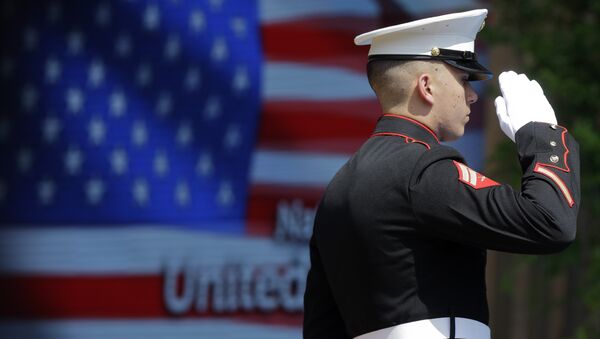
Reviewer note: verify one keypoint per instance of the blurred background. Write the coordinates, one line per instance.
(161, 160)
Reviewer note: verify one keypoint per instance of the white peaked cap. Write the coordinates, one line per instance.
(450, 38)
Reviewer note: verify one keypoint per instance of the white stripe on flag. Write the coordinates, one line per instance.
(147, 329)
(133, 250)
(295, 168)
(286, 10)
(283, 81)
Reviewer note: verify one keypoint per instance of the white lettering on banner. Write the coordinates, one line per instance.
(294, 221)
(291, 288)
(178, 303)
(266, 300)
(233, 288)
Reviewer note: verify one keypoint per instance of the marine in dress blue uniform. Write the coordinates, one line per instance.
(400, 236)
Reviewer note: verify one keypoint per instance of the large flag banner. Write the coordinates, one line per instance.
(161, 160)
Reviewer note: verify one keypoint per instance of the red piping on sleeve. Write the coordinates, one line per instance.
(566, 167)
(540, 168)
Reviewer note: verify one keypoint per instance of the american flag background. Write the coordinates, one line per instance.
(161, 160)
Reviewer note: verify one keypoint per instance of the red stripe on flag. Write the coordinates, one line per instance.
(81, 297)
(325, 41)
(263, 201)
(105, 297)
(330, 126)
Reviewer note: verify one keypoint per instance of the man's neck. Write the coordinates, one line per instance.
(423, 118)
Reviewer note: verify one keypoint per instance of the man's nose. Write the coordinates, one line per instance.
(471, 95)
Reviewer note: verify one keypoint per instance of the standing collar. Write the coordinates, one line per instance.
(408, 128)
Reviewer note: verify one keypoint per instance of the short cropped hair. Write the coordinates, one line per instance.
(391, 80)
(377, 70)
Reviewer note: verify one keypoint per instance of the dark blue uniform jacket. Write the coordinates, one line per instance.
(402, 230)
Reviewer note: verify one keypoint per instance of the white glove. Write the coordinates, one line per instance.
(522, 101)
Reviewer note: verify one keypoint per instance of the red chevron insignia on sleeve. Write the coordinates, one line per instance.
(472, 178)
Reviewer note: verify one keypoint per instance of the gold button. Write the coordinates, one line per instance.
(554, 159)
(553, 143)
(435, 51)
(553, 126)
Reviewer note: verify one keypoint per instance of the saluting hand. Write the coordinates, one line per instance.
(522, 101)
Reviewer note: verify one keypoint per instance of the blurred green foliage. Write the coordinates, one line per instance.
(558, 44)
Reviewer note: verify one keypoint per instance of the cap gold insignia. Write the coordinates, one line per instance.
(435, 51)
(482, 25)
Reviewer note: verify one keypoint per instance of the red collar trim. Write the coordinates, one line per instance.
(407, 139)
(414, 122)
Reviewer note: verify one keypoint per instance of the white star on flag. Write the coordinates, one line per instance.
(75, 41)
(24, 160)
(103, 14)
(164, 104)
(30, 39)
(182, 194)
(144, 75)
(225, 195)
(172, 47)
(141, 192)
(212, 110)
(118, 161)
(75, 99)
(185, 135)
(46, 191)
(151, 17)
(29, 98)
(123, 45)
(53, 70)
(204, 165)
(216, 4)
(233, 137)
(94, 191)
(118, 103)
(239, 26)
(54, 12)
(160, 164)
(96, 131)
(51, 128)
(240, 79)
(73, 160)
(139, 133)
(219, 50)
(192, 79)
(197, 21)
(96, 73)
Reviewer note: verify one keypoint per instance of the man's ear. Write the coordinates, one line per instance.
(424, 87)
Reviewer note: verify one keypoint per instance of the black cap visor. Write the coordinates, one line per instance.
(475, 70)
(463, 60)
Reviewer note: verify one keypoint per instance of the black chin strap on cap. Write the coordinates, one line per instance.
(463, 60)
(436, 54)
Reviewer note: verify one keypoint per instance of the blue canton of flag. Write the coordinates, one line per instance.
(128, 111)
